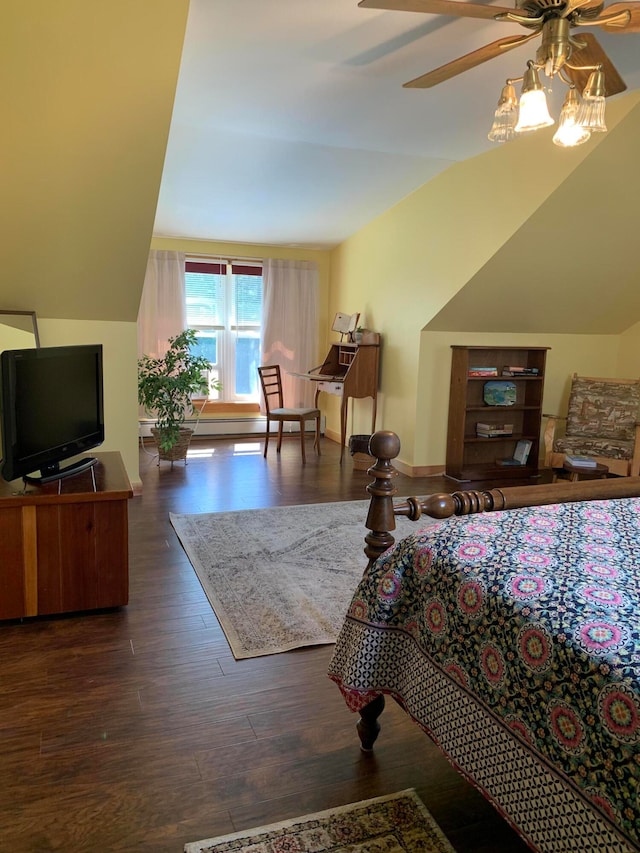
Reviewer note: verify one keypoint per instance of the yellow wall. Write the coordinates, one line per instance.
(88, 93)
(629, 356)
(11, 338)
(403, 268)
(119, 342)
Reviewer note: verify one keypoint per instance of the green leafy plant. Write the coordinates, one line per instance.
(166, 386)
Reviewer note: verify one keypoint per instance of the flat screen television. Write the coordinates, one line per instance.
(51, 410)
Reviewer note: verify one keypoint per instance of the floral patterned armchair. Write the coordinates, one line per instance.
(602, 422)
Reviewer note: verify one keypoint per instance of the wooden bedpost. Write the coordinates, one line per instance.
(384, 446)
(368, 727)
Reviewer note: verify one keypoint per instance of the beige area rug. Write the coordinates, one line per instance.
(393, 824)
(280, 578)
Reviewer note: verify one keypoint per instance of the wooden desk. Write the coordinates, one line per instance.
(64, 545)
(349, 370)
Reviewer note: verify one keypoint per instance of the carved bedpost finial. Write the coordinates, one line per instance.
(384, 446)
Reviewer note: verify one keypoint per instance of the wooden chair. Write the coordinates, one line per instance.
(271, 381)
(601, 422)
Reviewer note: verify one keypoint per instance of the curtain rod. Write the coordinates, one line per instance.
(221, 258)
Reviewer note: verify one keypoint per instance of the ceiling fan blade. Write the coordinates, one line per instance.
(593, 54)
(588, 7)
(634, 20)
(468, 61)
(440, 7)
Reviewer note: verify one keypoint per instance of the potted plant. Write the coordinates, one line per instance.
(165, 388)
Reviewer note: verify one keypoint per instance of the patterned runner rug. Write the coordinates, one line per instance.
(393, 824)
(280, 578)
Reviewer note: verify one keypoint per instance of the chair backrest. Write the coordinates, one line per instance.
(603, 408)
(271, 381)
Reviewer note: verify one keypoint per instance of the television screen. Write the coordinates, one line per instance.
(52, 409)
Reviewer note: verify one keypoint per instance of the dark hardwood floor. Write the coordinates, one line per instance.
(136, 730)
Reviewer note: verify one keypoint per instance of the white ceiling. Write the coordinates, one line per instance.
(291, 126)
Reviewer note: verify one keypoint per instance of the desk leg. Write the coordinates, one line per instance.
(343, 425)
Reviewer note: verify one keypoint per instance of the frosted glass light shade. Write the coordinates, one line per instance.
(591, 115)
(570, 132)
(506, 116)
(591, 112)
(534, 112)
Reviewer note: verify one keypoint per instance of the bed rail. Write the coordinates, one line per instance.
(384, 446)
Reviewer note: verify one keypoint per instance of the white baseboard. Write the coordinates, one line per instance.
(205, 427)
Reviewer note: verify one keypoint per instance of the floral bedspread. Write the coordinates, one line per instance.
(536, 614)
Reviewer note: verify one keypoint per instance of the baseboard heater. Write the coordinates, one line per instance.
(211, 427)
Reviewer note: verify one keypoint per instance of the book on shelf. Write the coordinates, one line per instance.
(520, 454)
(520, 371)
(482, 371)
(488, 427)
(580, 461)
(522, 451)
(493, 430)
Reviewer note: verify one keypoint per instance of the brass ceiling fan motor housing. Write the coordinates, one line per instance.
(555, 48)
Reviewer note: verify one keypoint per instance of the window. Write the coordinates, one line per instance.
(224, 306)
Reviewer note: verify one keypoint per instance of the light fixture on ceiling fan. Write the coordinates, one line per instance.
(580, 62)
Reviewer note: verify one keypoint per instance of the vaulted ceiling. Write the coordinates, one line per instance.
(290, 126)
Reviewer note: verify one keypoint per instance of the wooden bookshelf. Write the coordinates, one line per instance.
(470, 457)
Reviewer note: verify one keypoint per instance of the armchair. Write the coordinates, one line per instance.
(601, 422)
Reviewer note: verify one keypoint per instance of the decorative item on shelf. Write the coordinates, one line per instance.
(166, 387)
(499, 393)
(357, 335)
(345, 324)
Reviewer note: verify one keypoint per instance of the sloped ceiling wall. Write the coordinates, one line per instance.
(574, 265)
(87, 98)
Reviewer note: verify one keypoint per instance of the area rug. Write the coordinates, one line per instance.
(279, 578)
(393, 824)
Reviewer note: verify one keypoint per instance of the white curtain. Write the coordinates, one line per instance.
(290, 324)
(162, 311)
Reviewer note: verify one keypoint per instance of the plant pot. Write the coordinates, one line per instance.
(179, 449)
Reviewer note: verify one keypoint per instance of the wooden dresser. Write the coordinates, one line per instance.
(64, 545)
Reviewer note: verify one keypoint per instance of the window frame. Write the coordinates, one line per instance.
(227, 332)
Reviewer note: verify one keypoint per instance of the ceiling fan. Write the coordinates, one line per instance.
(559, 52)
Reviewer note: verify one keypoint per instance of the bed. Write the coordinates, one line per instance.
(509, 630)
